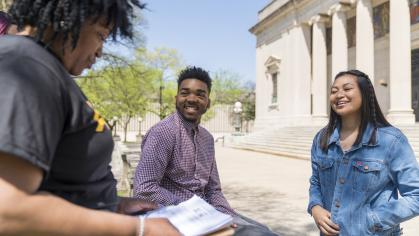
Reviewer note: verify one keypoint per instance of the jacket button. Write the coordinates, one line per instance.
(337, 204)
(366, 168)
(341, 180)
(345, 161)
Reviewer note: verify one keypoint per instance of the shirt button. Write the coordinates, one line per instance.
(341, 180)
(337, 204)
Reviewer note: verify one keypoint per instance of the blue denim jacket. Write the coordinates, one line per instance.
(360, 187)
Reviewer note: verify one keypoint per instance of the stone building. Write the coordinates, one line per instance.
(302, 44)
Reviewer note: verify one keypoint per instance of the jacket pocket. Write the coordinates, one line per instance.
(327, 173)
(365, 173)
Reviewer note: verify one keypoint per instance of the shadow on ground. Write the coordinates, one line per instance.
(271, 208)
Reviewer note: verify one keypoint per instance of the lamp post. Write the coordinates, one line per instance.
(237, 116)
(114, 123)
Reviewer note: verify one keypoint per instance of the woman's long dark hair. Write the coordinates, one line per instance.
(370, 111)
(65, 17)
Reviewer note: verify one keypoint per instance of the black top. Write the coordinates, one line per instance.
(46, 120)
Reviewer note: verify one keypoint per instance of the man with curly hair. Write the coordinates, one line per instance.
(55, 149)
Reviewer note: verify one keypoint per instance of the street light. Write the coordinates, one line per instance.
(237, 116)
(114, 122)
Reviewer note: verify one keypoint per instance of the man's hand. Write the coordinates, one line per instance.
(323, 222)
(133, 206)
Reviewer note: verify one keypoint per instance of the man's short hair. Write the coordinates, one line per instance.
(192, 72)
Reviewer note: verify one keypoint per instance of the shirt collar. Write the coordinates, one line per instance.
(189, 126)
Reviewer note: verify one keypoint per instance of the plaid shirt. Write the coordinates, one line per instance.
(177, 161)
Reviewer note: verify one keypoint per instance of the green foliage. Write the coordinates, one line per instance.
(227, 88)
(249, 107)
(169, 103)
(119, 90)
(167, 63)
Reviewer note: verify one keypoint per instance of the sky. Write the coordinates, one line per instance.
(213, 34)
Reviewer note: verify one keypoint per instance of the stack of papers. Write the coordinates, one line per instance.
(193, 217)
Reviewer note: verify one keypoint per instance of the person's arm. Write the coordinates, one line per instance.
(213, 192)
(156, 152)
(404, 171)
(315, 193)
(23, 211)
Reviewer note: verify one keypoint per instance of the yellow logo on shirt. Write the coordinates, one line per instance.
(100, 122)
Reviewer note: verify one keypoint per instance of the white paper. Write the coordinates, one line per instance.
(193, 217)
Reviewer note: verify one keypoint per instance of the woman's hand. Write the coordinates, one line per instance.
(323, 221)
(160, 226)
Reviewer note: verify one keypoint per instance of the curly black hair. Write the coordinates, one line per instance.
(198, 73)
(65, 17)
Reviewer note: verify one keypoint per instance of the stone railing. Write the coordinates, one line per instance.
(125, 159)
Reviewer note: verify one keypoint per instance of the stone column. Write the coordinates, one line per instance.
(400, 111)
(365, 38)
(339, 38)
(301, 69)
(319, 69)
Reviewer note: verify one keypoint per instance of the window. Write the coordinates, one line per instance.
(272, 76)
(274, 98)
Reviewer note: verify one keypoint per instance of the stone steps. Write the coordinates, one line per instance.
(296, 141)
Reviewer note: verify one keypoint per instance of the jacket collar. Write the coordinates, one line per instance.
(334, 138)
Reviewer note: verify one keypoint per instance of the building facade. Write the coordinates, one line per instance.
(302, 44)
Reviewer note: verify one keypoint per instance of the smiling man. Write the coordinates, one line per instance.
(177, 157)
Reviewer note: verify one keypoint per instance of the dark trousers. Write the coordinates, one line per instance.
(250, 227)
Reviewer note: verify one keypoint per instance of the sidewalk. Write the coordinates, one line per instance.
(273, 190)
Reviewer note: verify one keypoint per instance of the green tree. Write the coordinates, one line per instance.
(167, 62)
(229, 88)
(122, 90)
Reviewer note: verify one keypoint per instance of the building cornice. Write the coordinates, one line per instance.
(265, 22)
(292, 5)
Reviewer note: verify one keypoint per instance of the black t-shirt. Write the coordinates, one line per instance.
(45, 119)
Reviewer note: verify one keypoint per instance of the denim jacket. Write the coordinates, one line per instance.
(360, 187)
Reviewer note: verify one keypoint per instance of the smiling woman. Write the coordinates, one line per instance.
(50, 133)
(360, 163)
